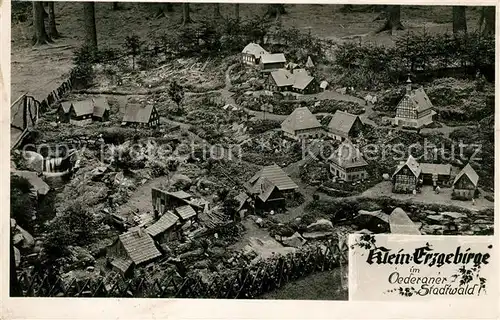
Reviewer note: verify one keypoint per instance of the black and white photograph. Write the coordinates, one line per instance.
(228, 150)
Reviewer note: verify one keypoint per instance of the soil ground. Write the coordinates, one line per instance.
(40, 70)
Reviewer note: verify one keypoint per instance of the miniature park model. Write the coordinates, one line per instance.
(200, 168)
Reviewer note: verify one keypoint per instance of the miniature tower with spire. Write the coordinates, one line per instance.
(408, 85)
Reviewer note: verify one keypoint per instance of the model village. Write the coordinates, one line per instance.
(269, 190)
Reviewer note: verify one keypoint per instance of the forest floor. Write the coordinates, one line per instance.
(40, 70)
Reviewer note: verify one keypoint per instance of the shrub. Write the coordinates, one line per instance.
(261, 126)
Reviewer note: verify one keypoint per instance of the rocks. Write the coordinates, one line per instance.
(192, 254)
(432, 229)
(317, 235)
(482, 221)
(202, 264)
(436, 218)
(80, 257)
(259, 222)
(320, 225)
(386, 177)
(23, 238)
(454, 215)
(296, 240)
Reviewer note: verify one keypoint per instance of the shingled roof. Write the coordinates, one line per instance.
(185, 212)
(139, 245)
(412, 164)
(66, 106)
(254, 49)
(302, 80)
(300, 119)
(283, 78)
(435, 168)
(342, 122)
(470, 173)
(400, 223)
(135, 112)
(268, 178)
(166, 221)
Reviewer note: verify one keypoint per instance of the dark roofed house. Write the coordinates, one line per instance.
(101, 109)
(135, 246)
(141, 115)
(344, 125)
(436, 173)
(272, 61)
(166, 228)
(303, 83)
(270, 185)
(407, 176)
(63, 111)
(280, 80)
(301, 124)
(465, 183)
(251, 54)
(80, 112)
(347, 163)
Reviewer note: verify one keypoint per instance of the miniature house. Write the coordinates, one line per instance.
(251, 54)
(302, 124)
(347, 163)
(465, 183)
(407, 176)
(283, 80)
(141, 115)
(415, 109)
(344, 125)
(272, 61)
(270, 186)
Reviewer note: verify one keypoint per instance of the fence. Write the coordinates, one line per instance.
(240, 283)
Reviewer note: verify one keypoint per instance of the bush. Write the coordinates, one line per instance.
(261, 126)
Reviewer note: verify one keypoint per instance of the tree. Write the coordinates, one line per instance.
(459, 19)
(116, 6)
(237, 12)
(217, 14)
(90, 27)
(186, 18)
(176, 93)
(163, 8)
(487, 20)
(230, 205)
(393, 19)
(22, 202)
(52, 22)
(40, 36)
(15, 290)
(133, 46)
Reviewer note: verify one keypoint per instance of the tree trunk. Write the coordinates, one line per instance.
(40, 36)
(488, 18)
(90, 28)
(52, 22)
(15, 290)
(186, 18)
(237, 12)
(217, 14)
(116, 6)
(393, 21)
(275, 9)
(459, 19)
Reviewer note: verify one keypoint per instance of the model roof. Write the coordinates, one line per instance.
(268, 178)
(254, 49)
(348, 156)
(185, 212)
(139, 245)
(470, 173)
(412, 164)
(342, 122)
(135, 112)
(100, 106)
(273, 58)
(300, 119)
(83, 107)
(166, 221)
(418, 99)
(434, 168)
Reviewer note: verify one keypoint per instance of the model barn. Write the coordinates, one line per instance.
(344, 125)
(415, 109)
(347, 163)
(302, 124)
(272, 61)
(407, 176)
(465, 184)
(166, 228)
(101, 109)
(251, 54)
(141, 115)
(270, 186)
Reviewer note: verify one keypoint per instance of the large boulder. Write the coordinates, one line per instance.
(455, 215)
(436, 218)
(296, 240)
(386, 177)
(317, 235)
(80, 257)
(320, 225)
